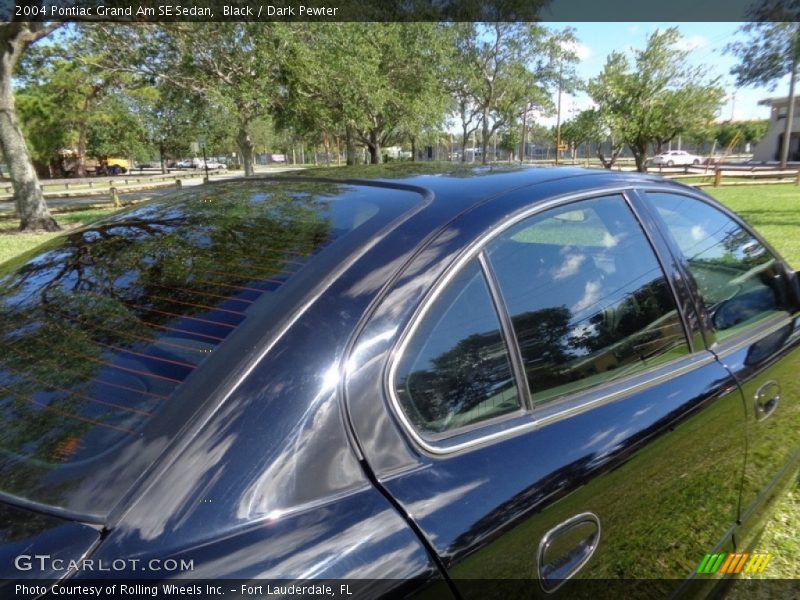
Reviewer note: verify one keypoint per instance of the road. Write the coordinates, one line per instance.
(58, 203)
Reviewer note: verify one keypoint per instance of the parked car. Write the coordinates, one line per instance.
(677, 158)
(189, 163)
(440, 384)
(212, 165)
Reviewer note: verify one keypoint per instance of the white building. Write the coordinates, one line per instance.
(769, 149)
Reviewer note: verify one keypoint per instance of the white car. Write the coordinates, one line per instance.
(189, 163)
(213, 165)
(677, 157)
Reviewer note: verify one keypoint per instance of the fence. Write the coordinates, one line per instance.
(70, 188)
(721, 176)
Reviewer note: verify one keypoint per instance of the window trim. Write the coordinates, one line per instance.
(527, 419)
(514, 351)
(637, 203)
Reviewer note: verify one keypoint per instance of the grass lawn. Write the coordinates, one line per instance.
(774, 210)
(12, 242)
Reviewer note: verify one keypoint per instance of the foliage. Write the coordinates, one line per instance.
(376, 83)
(595, 126)
(657, 98)
(771, 51)
(768, 53)
(504, 69)
(742, 132)
(69, 103)
(229, 68)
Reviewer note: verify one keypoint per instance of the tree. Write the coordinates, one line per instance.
(771, 52)
(461, 80)
(389, 89)
(510, 139)
(15, 38)
(94, 111)
(232, 66)
(590, 126)
(741, 132)
(657, 98)
(505, 66)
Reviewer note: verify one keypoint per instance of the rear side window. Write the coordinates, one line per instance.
(587, 297)
(100, 329)
(456, 370)
(739, 280)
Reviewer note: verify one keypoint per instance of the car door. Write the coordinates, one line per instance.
(751, 313)
(547, 413)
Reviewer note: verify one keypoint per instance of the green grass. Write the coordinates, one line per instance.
(774, 210)
(13, 243)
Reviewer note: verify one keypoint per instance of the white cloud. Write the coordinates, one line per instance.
(591, 294)
(570, 266)
(582, 51)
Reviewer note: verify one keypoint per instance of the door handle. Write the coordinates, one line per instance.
(766, 399)
(566, 548)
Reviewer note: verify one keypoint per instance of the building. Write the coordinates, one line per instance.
(769, 149)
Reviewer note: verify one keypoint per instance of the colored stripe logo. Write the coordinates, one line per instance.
(741, 562)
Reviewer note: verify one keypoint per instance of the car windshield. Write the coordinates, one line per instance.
(101, 328)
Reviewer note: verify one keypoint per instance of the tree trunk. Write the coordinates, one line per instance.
(350, 146)
(602, 157)
(640, 156)
(28, 197)
(484, 136)
(413, 148)
(608, 163)
(246, 147)
(374, 146)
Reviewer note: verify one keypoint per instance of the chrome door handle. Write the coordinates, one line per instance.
(566, 548)
(766, 399)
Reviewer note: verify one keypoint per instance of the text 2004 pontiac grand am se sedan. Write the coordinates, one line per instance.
(539, 375)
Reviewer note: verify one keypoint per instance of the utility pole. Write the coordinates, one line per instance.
(524, 132)
(787, 132)
(558, 112)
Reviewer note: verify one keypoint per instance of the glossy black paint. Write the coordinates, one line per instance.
(293, 463)
(25, 535)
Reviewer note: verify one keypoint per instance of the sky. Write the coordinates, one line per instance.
(706, 42)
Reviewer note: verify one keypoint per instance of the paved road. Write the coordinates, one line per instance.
(8, 207)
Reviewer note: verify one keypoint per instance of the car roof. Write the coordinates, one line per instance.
(462, 186)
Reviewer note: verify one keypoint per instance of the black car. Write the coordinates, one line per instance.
(426, 383)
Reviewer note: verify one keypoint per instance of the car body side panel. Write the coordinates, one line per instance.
(767, 364)
(661, 471)
(357, 536)
(661, 468)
